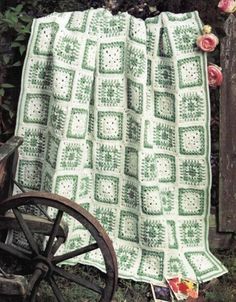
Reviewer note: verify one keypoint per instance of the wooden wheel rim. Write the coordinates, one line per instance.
(86, 219)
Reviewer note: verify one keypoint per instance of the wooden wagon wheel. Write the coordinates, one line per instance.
(45, 264)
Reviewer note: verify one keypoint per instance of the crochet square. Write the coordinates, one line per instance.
(34, 142)
(135, 96)
(149, 72)
(152, 233)
(133, 131)
(40, 75)
(91, 122)
(84, 186)
(71, 155)
(148, 134)
(30, 174)
(107, 218)
(179, 17)
(152, 264)
(78, 123)
(36, 108)
(131, 162)
(111, 57)
(192, 172)
(166, 168)
(106, 189)
(88, 160)
(192, 107)
(47, 182)
(192, 140)
(126, 257)
(136, 62)
(89, 55)
(201, 263)
(150, 200)
(137, 30)
(45, 38)
(110, 125)
(77, 21)
(66, 185)
(128, 228)
(57, 118)
(185, 38)
(164, 105)
(130, 194)
(108, 157)
(62, 83)
(150, 42)
(113, 27)
(176, 267)
(171, 233)
(164, 136)
(191, 233)
(167, 198)
(111, 92)
(190, 72)
(164, 75)
(84, 89)
(52, 150)
(149, 169)
(191, 202)
(164, 48)
(68, 49)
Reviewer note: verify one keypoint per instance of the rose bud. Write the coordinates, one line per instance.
(207, 42)
(206, 29)
(215, 76)
(227, 6)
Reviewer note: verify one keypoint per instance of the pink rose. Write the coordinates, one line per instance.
(227, 6)
(207, 42)
(215, 76)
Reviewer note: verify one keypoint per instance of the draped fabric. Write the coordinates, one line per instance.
(114, 112)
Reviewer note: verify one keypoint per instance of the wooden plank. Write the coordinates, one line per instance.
(36, 224)
(13, 286)
(8, 157)
(227, 185)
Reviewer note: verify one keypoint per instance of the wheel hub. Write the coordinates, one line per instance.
(44, 265)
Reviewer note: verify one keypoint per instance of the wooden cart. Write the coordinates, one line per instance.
(40, 260)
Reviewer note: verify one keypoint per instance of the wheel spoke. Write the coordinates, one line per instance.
(54, 233)
(79, 280)
(75, 253)
(56, 290)
(34, 282)
(26, 231)
(13, 251)
(57, 244)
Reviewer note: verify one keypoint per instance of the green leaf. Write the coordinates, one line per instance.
(6, 85)
(16, 64)
(27, 29)
(13, 18)
(26, 18)
(20, 38)
(6, 59)
(16, 44)
(2, 92)
(18, 8)
(5, 107)
(22, 49)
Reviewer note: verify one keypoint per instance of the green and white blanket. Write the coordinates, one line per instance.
(115, 114)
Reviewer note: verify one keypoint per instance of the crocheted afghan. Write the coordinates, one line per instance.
(115, 114)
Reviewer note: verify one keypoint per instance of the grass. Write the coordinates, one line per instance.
(129, 291)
